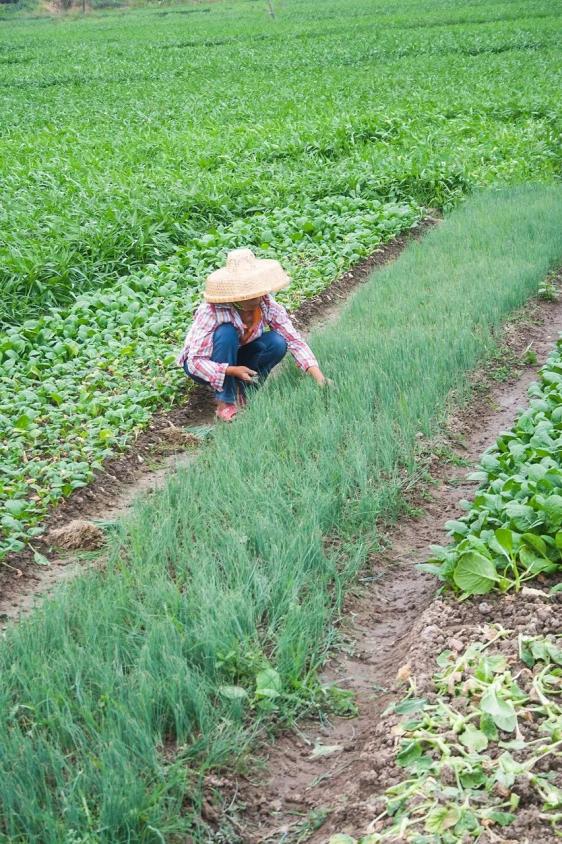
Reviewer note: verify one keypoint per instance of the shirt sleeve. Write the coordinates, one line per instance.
(207, 369)
(278, 320)
(199, 348)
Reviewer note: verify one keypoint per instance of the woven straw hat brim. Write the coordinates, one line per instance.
(262, 277)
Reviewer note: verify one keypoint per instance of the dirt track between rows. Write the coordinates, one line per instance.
(390, 613)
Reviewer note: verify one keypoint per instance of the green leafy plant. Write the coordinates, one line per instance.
(470, 757)
(512, 532)
(215, 609)
(548, 289)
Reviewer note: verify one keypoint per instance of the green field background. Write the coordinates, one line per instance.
(217, 603)
(137, 147)
(126, 137)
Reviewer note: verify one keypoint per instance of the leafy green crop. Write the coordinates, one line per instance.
(133, 155)
(125, 138)
(217, 602)
(470, 757)
(75, 383)
(513, 530)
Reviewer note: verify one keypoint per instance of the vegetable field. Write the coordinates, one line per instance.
(138, 146)
(513, 530)
(216, 606)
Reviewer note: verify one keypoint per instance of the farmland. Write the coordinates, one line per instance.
(202, 628)
(137, 147)
(478, 734)
(126, 144)
(134, 155)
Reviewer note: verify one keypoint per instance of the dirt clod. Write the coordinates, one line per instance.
(77, 535)
(178, 437)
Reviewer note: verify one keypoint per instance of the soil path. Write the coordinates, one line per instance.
(173, 439)
(311, 777)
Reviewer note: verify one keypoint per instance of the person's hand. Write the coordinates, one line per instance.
(243, 373)
(316, 373)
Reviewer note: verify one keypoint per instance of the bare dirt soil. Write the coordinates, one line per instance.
(170, 441)
(448, 624)
(324, 777)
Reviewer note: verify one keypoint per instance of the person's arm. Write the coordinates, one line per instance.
(278, 319)
(199, 348)
(207, 369)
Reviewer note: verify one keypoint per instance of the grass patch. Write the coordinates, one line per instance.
(218, 602)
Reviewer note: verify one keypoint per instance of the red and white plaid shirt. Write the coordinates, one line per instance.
(198, 346)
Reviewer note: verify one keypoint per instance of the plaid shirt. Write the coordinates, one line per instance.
(198, 346)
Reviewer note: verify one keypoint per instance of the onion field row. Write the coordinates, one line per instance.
(217, 603)
(136, 149)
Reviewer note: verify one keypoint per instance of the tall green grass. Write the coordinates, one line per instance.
(124, 688)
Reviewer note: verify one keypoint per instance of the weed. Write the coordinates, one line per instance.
(446, 454)
(548, 288)
(529, 357)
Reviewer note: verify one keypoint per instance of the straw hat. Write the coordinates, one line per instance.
(244, 277)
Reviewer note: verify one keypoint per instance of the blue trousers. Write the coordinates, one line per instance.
(261, 354)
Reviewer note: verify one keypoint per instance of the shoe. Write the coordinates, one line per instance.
(227, 413)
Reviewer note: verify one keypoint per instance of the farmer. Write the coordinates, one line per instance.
(227, 347)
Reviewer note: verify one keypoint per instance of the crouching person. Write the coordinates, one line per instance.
(227, 346)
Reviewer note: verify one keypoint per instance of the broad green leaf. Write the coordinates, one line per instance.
(534, 564)
(504, 538)
(473, 778)
(409, 706)
(552, 507)
(552, 794)
(268, 683)
(489, 665)
(23, 422)
(535, 542)
(508, 769)
(233, 692)
(442, 818)
(554, 653)
(455, 526)
(501, 711)
(473, 739)
(522, 516)
(475, 574)
(488, 727)
(16, 506)
(501, 818)
(409, 751)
